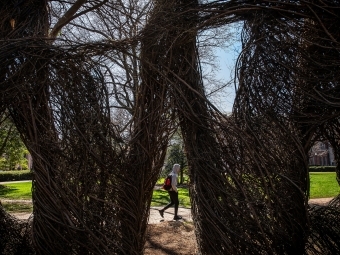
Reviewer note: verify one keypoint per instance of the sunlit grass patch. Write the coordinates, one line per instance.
(323, 184)
(161, 197)
(17, 190)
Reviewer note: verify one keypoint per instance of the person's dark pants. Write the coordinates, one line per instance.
(173, 201)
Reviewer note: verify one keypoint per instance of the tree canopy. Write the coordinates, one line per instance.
(13, 152)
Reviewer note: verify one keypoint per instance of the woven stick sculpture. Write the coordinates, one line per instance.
(97, 102)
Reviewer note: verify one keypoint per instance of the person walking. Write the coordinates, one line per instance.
(173, 193)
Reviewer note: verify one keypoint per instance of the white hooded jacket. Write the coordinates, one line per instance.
(174, 177)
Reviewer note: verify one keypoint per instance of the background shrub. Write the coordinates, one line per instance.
(6, 176)
(322, 169)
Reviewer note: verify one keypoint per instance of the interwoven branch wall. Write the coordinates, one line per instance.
(97, 105)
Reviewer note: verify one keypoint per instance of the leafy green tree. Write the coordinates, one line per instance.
(176, 155)
(12, 150)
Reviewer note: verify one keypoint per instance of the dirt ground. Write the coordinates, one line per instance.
(178, 238)
(174, 237)
(170, 238)
(163, 238)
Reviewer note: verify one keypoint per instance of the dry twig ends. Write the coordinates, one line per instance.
(325, 230)
(15, 238)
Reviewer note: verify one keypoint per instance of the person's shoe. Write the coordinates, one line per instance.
(177, 217)
(161, 212)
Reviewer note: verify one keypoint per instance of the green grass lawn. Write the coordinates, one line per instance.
(160, 197)
(16, 190)
(322, 185)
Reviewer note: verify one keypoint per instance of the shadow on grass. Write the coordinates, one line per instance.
(5, 191)
(160, 198)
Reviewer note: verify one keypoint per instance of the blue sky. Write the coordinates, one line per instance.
(227, 60)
